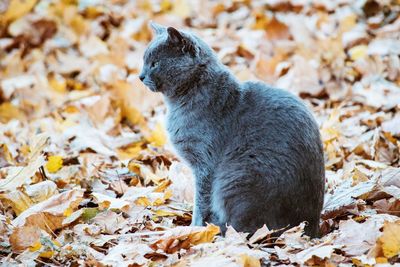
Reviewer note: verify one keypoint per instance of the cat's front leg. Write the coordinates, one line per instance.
(201, 207)
(197, 218)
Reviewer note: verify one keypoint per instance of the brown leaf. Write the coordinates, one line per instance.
(185, 237)
(275, 29)
(49, 214)
(24, 237)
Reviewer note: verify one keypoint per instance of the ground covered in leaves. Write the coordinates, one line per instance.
(88, 177)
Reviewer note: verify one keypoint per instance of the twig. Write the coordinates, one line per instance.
(43, 173)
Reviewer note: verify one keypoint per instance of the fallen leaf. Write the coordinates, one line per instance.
(185, 237)
(16, 9)
(275, 29)
(249, 261)
(107, 202)
(389, 242)
(8, 112)
(358, 238)
(24, 237)
(158, 136)
(322, 251)
(49, 214)
(18, 176)
(54, 163)
(358, 52)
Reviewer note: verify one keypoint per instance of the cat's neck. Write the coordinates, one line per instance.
(215, 87)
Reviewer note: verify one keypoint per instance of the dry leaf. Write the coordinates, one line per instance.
(49, 214)
(16, 9)
(54, 163)
(18, 176)
(24, 237)
(107, 202)
(389, 242)
(185, 237)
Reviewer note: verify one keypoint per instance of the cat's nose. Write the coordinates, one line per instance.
(141, 77)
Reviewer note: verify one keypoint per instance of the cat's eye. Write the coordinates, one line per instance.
(154, 64)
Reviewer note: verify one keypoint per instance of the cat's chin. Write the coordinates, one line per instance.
(153, 89)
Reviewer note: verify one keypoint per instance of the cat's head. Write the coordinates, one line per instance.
(173, 60)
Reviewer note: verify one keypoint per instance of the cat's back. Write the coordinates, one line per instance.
(272, 122)
(266, 97)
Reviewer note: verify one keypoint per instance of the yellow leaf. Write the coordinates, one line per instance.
(131, 113)
(261, 21)
(143, 201)
(160, 201)
(58, 84)
(8, 112)
(38, 246)
(167, 194)
(68, 211)
(47, 254)
(205, 236)
(359, 176)
(185, 237)
(134, 167)
(249, 261)
(381, 260)
(16, 9)
(158, 136)
(390, 239)
(54, 164)
(130, 152)
(6, 154)
(164, 213)
(93, 12)
(104, 205)
(218, 8)
(142, 35)
(78, 24)
(35, 246)
(165, 5)
(19, 201)
(357, 52)
(75, 85)
(162, 186)
(71, 109)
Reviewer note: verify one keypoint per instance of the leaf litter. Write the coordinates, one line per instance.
(88, 177)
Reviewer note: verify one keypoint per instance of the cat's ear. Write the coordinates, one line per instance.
(175, 36)
(178, 39)
(157, 28)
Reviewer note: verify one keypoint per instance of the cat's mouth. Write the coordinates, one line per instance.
(151, 85)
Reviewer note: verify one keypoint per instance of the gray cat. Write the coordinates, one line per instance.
(255, 151)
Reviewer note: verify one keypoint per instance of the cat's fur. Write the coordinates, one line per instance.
(255, 151)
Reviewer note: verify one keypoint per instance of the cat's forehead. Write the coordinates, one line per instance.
(155, 47)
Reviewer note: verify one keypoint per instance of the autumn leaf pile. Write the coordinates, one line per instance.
(87, 176)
